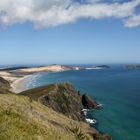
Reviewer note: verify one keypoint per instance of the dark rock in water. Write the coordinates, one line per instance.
(88, 102)
(132, 66)
(4, 86)
(102, 137)
(64, 98)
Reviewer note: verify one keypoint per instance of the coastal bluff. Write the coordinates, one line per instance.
(43, 113)
(63, 98)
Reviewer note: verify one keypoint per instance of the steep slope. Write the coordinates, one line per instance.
(63, 98)
(4, 86)
(21, 118)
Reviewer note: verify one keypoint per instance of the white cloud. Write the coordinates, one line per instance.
(46, 13)
(133, 21)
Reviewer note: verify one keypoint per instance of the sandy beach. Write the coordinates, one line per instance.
(18, 77)
(16, 81)
(19, 84)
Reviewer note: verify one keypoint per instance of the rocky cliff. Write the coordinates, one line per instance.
(60, 119)
(24, 119)
(63, 98)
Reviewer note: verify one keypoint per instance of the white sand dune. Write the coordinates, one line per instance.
(17, 81)
(8, 76)
(52, 68)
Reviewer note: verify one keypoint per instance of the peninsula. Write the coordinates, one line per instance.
(15, 75)
(48, 112)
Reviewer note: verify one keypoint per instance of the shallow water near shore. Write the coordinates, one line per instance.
(117, 89)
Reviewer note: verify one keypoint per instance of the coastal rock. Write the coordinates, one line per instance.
(88, 102)
(63, 98)
(22, 118)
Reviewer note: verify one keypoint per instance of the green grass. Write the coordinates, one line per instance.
(24, 119)
(16, 127)
(78, 133)
(39, 91)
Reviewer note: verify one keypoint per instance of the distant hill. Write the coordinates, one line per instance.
(12, 68)
(132, 66)
(102, 66)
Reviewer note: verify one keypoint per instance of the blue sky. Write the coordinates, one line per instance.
(103, 40)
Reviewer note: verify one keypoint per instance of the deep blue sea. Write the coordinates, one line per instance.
(118, 89)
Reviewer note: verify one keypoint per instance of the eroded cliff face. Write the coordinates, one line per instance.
(89, 103)
(22, 112)
(63, 98)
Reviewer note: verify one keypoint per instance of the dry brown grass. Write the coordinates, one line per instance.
(21, 118)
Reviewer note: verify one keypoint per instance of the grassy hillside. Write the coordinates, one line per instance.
(4, 86)
(62, 97)
(24, 119)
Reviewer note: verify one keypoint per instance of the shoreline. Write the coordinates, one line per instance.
(17, 76)
(18, 85)
(17, 81)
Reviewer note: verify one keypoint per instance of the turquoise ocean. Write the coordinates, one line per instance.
(117, 88)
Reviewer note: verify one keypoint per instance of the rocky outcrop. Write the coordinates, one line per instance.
(132, 66)
(63, 98)
(89, 103)
(24, 119)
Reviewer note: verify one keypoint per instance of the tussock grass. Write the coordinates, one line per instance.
(24, 119)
